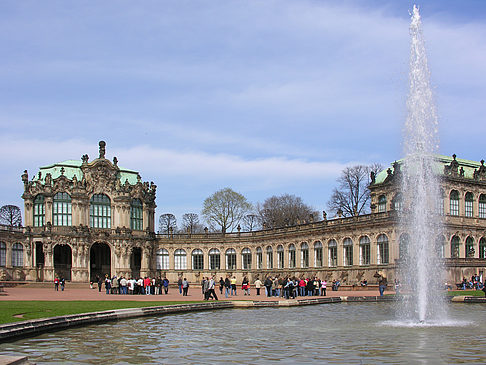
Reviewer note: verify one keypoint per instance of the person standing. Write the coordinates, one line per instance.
(233, 285)
(323, 287)
(165, 284)
(382, 284)
(107, 284)
(62, 282)
(56, 283)
(99, 282)
(258, 285)
(221, 285)
(179, 284)
(268, 286)
(185, 287)
(227, 287)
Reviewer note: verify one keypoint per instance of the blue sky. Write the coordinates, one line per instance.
(265, 97)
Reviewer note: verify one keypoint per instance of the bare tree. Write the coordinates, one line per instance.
(10, 215)
(284, 210)
(352, 197)
(251, 222)
(166, 222)
(225, 209)
(191, 224)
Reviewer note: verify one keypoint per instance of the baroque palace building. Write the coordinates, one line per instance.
(85, 219)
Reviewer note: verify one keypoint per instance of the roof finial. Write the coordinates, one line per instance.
(102, 149)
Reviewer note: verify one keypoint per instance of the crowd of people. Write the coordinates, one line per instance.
(473, 283)
(131, 286)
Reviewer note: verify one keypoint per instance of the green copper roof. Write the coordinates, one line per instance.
(440, 161)
(73, 168)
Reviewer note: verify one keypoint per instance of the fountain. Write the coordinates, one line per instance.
(421, 270)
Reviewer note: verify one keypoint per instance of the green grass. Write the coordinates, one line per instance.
(467, 293)
(44, 309)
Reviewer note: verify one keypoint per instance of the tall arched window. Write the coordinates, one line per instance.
(348, 251)
(403, 246)
(292, 256)
(39, 211)
(3, 254)
(214, 259)
(100, 211)
(259, 258)
(280, 257)
(304, 255)
(397, 202)
(364, 250)
(440, 246)
(17, 255)
(61, 210)
(230, 259)
(136, 215)
(482, 248)
(482, 206)
(318, 254)
(269, 257)
(454, 202)
(382, 241)
(246, 259)
(440, 203)
(468, 204)
(470, 247)
(455, 245)
(162, 259)
(180, 259)
(381, 204)
(197, 259)
(332, 245)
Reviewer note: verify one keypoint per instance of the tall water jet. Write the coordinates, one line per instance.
(421, 270)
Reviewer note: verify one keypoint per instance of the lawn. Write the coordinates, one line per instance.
(467, 293)
(12, 311)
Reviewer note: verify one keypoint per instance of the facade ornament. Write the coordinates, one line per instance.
(62, 170)
(25, 179)
(102, 145)
(324, 215)
(48, 179)
(85, 159)
(115, 161)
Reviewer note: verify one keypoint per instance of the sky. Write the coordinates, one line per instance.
(265, 97)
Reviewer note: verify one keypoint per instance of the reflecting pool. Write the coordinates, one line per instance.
(347, 333)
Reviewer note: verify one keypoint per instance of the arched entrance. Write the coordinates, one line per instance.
(136, 262)
(99, 260)
(63, 261)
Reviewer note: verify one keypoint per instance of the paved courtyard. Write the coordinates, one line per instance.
(78, 291)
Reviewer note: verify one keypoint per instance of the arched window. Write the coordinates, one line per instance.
(61, 210)
(348, 251)
(482, 206)
(468, 204)
(440, 246)
(398, 202)
(17, 255)
(482, 248)
(162, 259)
(440, 203)
(292, 256)
(304, 255)
(230, 259)
(318, 254)
(259, 257)
(136, 215)
(197, 259)
(364, 250)
(381, 204)
(214, 259)
(246, 259)
(454, 202)
(180, 260)
(332, 253)
(382, 241)
(269, 257)
(403, 246)
(100, 211)
(455, 244)
(39, 211)
(280, 257)
(470, 247)
(3, 254)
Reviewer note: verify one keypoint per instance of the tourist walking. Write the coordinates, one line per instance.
(211, 292)
(185, 287)
(62, 282)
